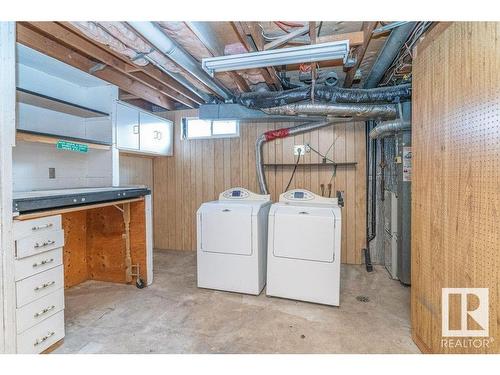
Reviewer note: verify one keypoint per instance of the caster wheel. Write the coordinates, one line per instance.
(140, 284)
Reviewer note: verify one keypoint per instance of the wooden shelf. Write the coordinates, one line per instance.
(47, 102)
(29, 136)
(311, 164)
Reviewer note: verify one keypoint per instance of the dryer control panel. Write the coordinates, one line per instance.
(301, 195)
(242, 194)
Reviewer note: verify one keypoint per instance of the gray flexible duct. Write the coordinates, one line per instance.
(325, 94)
(355, 111)
(387, 128)
(259, 147)
(389, 52)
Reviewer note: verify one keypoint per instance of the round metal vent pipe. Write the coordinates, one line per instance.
(389, 52)
(387, 128)
(167, 46)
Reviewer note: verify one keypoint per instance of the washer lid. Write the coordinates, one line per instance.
(303, 232)
(226, 228)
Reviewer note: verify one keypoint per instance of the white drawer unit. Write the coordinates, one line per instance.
(39, 285)
(39, 277)
(30, 266)
(36, 226)
(40, 337)
(39, 310)
(39, 243)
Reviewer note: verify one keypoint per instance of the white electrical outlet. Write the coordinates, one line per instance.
(302, 148)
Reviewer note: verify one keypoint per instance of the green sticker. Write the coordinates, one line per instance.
(72, 146)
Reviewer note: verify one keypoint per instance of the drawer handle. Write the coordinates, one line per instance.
(43, 286)
(43, 244)
(38, 227)
(44, 338)
(43, 262)
(226, 210)
(303, 213)
(44, 311)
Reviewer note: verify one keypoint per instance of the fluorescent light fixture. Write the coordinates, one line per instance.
(283, 56)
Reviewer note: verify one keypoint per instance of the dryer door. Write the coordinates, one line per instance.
(302, 232)
(227, 228)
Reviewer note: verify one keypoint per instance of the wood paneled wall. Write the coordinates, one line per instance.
(201, 169)
(136, 170)
(456, 177)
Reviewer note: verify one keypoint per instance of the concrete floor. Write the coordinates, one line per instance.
(174, 316)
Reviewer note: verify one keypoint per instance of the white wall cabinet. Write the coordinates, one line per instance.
(127, 127)
(142, 132)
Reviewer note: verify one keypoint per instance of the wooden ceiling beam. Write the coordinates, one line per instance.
(89, 48)
(287, 38)
(238, 80)
(41, 43)
(359, 53)
(244, 34)
(149, 69)
(254, 30)
(355, 38)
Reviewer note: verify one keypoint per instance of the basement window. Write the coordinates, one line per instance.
(194, 128)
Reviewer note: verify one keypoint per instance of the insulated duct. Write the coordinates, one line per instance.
(387, 128)
(328, 94)
(167, 46)
(279, 133)
(389, 52)
(352, 110)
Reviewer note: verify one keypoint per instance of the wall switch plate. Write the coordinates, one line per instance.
(52, 173)
(303, 149)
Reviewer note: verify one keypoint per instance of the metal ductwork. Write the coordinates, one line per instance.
(167, 46)
(326, 94)
(388, 53)
(352, 110)
(387, 128)
(279, 133)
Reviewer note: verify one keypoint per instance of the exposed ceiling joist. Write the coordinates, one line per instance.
(286, 38)
(355, 38)
(126, 96)
(254, 30)
(206, 36)
(35, 40)
(359, 53)
(81, 43)
(251, 44)
(148, 69)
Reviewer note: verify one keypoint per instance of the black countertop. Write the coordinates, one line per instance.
(39, 200)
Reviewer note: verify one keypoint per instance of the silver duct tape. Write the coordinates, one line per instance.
(355, 111)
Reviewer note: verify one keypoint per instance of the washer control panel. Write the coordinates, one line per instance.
(239, 193)
(299, 195)
(236, 194)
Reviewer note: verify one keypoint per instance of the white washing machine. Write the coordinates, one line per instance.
(232, 242)
(303, 260)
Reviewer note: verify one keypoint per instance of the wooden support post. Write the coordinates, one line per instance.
(126, 235)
